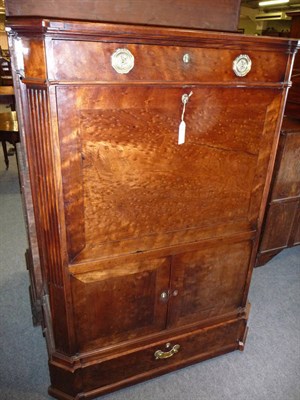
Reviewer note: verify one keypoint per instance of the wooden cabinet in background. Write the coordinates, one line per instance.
(281, 228)
(293, 101)
(220, 15)
(146, 246)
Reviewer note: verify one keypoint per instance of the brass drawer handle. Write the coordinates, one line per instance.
(161, 355)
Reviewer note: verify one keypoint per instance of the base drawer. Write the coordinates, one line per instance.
(159, 358)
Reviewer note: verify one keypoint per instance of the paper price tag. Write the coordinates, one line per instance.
(182, 125)
(181, 132)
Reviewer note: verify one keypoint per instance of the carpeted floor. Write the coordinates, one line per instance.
(268, 369)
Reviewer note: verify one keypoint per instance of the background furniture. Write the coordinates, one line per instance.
(7, 96)
(5, 72)
(222, 15)
(146, 246)
(293, 101)
(4, 53)
(281, 227)
(282, 221)
(9, 132)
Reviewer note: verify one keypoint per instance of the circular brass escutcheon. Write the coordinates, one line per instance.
(242, 65)
(122, 61)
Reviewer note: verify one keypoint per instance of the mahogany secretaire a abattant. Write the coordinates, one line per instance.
(147, 156)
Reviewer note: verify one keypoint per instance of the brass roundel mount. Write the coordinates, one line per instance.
(242, 65)
(122, 61)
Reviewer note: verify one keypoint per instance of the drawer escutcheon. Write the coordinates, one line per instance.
(122, 61)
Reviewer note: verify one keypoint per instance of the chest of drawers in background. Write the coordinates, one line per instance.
(281, 228)
(293, 102)
(146, 246)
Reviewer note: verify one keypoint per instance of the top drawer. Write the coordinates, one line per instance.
(92, 61)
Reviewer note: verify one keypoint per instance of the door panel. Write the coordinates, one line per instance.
(278, 226)
(119, 302)
(208, 282)
(287, 183)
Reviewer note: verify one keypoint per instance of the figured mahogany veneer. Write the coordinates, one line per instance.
(146, 247)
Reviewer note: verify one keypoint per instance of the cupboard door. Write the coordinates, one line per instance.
(208, 283)
(119, 302)
(279, 224)
(129, 187)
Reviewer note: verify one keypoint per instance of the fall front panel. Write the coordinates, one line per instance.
(128, 185)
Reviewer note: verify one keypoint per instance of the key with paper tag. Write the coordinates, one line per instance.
(182, 126)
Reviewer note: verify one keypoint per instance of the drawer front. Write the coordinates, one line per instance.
(143, 363)
(91, 61)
